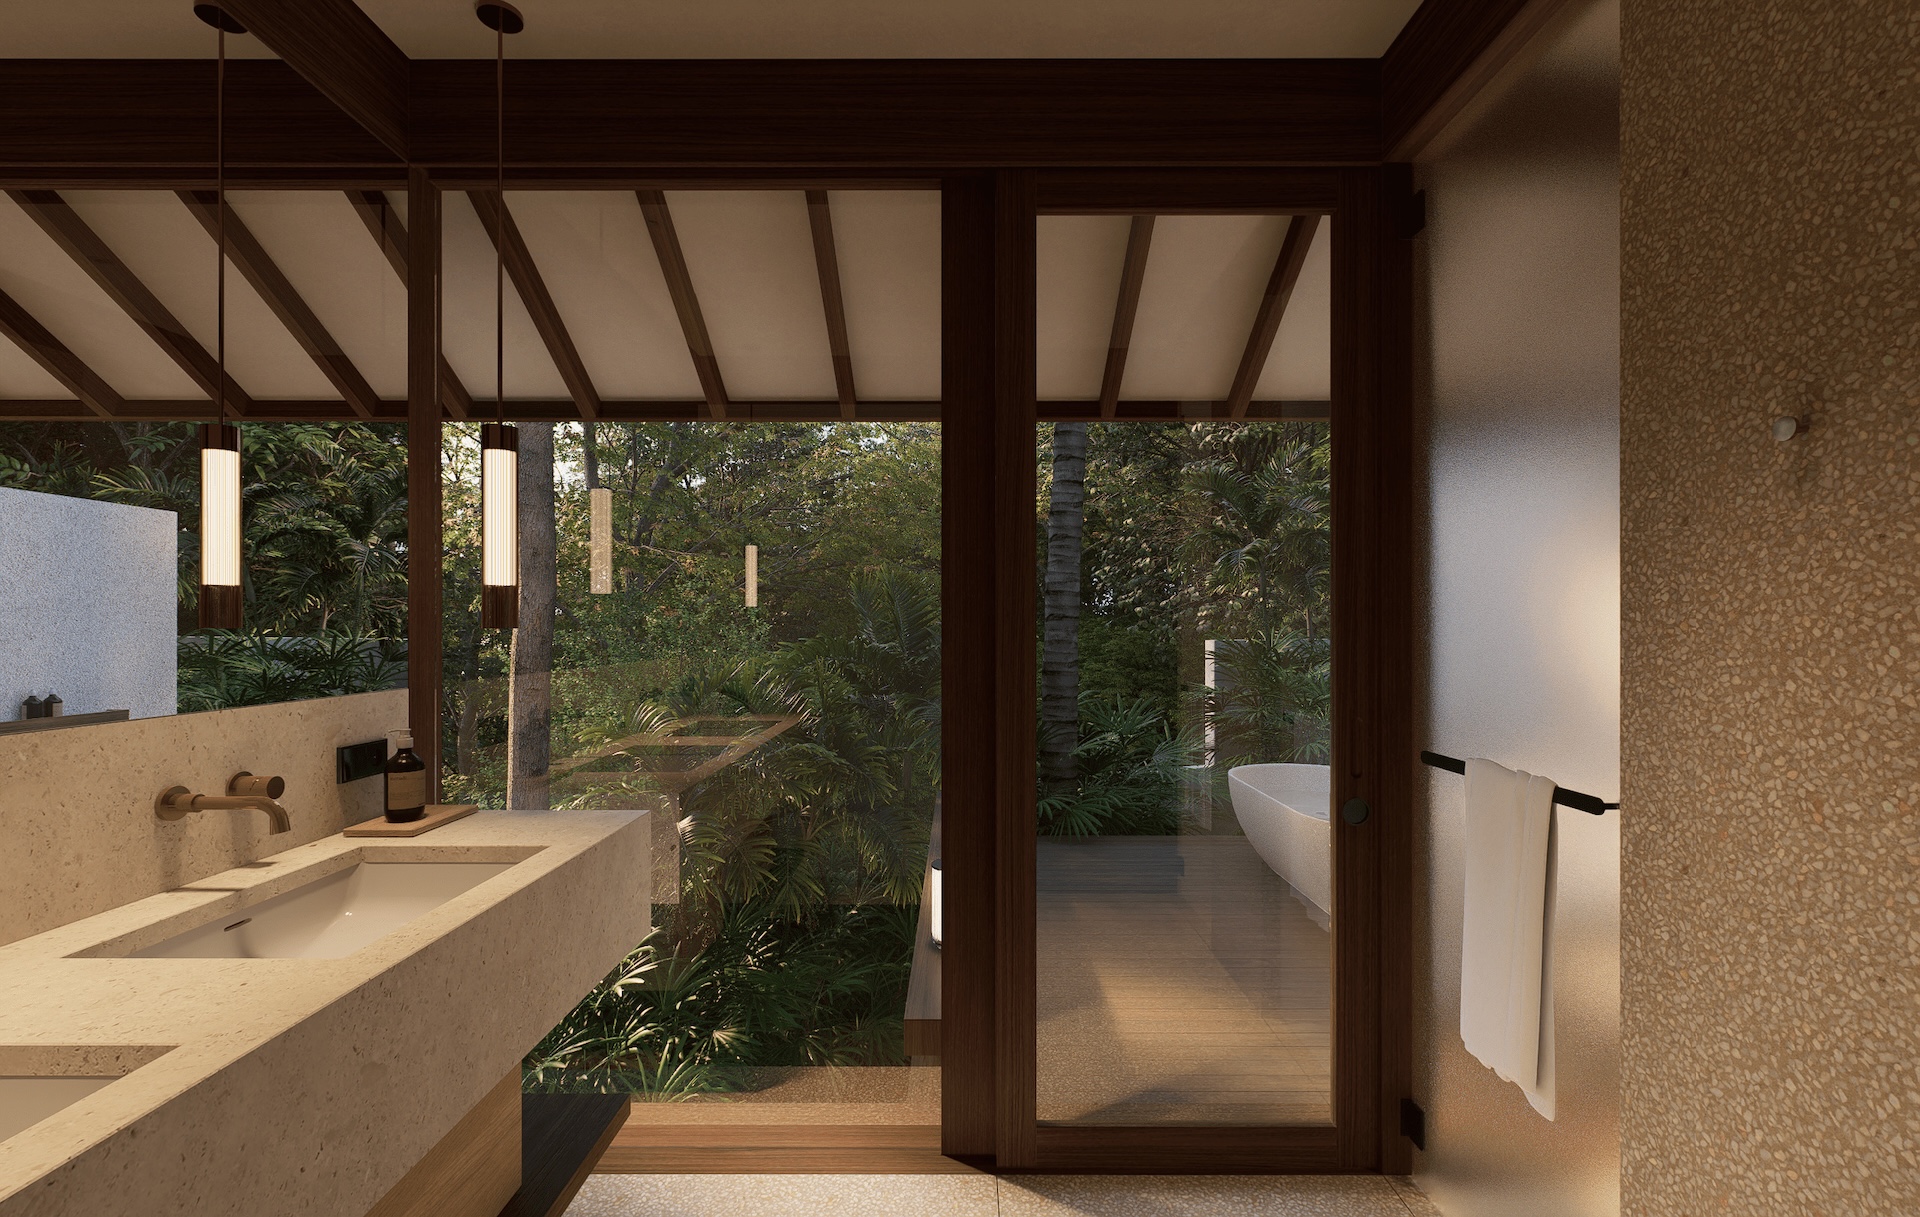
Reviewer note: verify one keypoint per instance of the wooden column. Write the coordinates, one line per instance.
(1374, 678)
(423, 472)
(987, 665)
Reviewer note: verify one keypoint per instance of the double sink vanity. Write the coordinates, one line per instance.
(306, 1033)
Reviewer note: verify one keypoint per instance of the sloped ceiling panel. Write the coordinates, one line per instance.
(889, 246)
(750, 256)
(467, 318)
(599, 263)
(324, 250)
(161, 242)
(1077, 265)
(1301, 365)
(1204, 280)
(38, 274)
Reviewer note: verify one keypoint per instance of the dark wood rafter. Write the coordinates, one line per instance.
(497, 219)
(72, 234)
(384, 226)
(339, 50)
(1133, 272)
(826, 259)
(259, 269)
(673, 266)
(1273, 307)
(39, 344)
(1446, 53)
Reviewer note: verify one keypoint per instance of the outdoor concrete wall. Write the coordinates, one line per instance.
(87, 594)
(1519, 290)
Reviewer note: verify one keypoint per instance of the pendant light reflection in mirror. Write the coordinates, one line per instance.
(220, 595)
(499, 441)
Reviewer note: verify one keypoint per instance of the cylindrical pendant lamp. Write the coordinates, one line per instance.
(753, 576)
(499, 526)
(219, 526)
(600, 540)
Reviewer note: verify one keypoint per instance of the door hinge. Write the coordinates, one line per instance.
(1413, 1123)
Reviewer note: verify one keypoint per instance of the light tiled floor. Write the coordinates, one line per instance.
(986, 1196)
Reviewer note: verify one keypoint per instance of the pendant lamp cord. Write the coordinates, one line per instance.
(220, 225)
(500, 221)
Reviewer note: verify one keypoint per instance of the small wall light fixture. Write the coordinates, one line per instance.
(1787, 427)
(600, 540)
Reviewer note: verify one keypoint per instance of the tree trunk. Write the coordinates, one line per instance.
(530, 683)
(590, 454)
(1060, 648)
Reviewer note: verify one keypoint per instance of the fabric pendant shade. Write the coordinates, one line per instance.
(219, 526)
(753, 576)
(499, 526)
(600, 541)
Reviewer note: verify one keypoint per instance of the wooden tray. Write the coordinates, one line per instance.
(437, 814)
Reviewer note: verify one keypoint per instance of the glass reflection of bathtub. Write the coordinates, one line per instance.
(1284, 809)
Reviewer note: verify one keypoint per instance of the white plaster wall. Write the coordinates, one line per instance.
(87, 595)
(78, 833)
(1520, 290)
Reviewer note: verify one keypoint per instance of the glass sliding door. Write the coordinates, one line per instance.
(1184, 911)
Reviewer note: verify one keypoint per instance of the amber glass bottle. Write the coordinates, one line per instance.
(406, 782)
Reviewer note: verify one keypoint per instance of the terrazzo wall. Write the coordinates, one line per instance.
(1771, 612)
(1518, 281)
(78, 833)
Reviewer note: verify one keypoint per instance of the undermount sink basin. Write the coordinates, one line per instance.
(25, 1102)
(330, 917)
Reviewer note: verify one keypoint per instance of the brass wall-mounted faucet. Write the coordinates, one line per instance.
(244, 793)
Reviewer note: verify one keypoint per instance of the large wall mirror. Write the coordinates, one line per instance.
(110, 302)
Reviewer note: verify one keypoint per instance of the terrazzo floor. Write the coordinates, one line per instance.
(987, 1196)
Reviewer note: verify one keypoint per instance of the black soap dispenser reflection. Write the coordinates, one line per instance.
(406, 782)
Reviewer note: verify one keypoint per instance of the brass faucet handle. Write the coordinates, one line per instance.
(174, 803)
(244, 783)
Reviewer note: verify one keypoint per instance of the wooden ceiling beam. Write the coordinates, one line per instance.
(1446, 53)
(92, 255)
(339, 50)
(384, 226)
(62, 364)
(498, 221)
(826, 260)
(641, 411)
(1273, 307)
(273, 286)
(659, 117)
(1133, 272)
(673, 266)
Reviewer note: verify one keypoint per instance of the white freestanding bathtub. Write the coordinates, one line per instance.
(1284, 809)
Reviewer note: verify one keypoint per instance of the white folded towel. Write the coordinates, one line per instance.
(1506, 957)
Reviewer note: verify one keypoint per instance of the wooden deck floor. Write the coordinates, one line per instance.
(1181, 982)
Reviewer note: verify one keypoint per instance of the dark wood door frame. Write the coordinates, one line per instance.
(989, 1021)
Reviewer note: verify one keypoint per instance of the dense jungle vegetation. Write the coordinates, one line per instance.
(789, 938)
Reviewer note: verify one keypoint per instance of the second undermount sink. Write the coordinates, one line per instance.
(330, 917)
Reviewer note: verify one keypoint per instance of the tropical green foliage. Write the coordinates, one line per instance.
(324, 527)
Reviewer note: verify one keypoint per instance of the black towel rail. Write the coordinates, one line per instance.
(1591, 804)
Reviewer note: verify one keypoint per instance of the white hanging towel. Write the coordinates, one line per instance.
(1506, 957)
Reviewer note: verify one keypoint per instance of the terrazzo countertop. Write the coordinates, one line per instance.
(306, 1086)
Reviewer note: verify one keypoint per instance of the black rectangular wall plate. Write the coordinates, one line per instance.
(358, 761)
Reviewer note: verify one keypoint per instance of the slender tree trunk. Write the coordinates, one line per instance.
(1060, 647)
(590, 454)
(530, 686)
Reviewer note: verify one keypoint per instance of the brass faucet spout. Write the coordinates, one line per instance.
(246, 793)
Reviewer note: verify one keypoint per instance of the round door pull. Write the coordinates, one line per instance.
(1355, 811)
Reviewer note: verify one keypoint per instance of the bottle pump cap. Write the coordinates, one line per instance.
(403, 739)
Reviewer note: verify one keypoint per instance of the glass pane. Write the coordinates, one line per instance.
(1184, 861)
(761, 671)
(101, 590)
